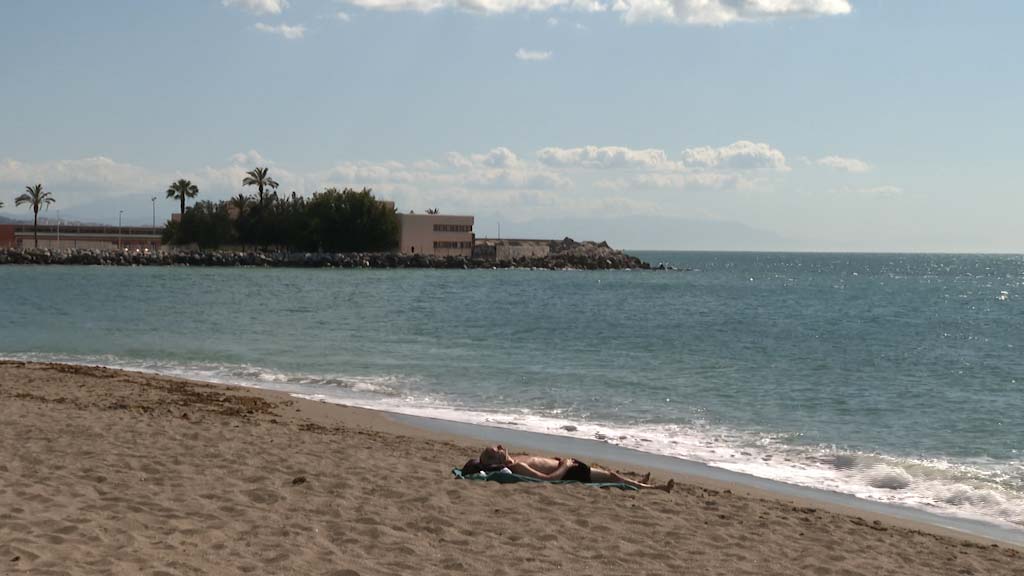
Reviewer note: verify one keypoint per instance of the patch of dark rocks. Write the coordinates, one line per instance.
(583, 259)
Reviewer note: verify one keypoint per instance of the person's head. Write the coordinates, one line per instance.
(494, 456)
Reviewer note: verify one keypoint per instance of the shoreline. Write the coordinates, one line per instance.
(136, 469)
(698, 473)
(693, 472)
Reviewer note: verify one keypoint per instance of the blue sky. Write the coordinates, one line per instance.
(876, 125)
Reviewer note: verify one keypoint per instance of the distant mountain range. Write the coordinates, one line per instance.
(646, 232)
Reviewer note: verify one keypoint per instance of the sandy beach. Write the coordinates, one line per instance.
(109, 472)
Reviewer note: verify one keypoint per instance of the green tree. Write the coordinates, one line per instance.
(207, 225)
(350, 221)
(170, 233)
(36, 198)
(259, 178)
(241, 206)
(333, 220)
(181, 190)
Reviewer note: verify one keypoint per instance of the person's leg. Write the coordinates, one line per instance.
(600, 475)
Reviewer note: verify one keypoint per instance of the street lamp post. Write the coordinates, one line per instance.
(119, 213)
(153, 200)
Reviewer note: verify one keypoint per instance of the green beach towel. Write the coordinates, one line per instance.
(502, 477)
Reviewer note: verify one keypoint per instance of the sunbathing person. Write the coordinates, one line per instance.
(496, 457)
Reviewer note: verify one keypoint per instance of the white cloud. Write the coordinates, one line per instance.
(703, 180)
(612, 183)
(86, 185)
(588, 5)
(532, 55)
(499, 157)
(518, 179)
(720, 12)
(259, 6)
(499, 168)
(741, 155)
(76, 181)
(697, 12)
(251, 157)
(481, 6)
(552, 180)
(283, 30)
(552, 21)
(343, 17)
(674, 181)
(841, 163)
(604, 157)
(227, 180)
(740, 165)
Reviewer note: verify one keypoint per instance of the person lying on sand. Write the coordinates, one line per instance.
(496, 457)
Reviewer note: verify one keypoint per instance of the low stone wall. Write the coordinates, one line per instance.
(605, 260)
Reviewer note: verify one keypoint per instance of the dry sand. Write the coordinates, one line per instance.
(109, 472)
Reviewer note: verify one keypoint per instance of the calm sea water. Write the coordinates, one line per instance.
(891, 377)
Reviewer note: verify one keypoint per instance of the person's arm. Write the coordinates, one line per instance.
(526, 470)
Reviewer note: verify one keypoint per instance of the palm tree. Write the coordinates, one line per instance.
(240, 202)
(36, 199)
(181, 190)
(259, 178)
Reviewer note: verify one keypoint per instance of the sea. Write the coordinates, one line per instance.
(897, 378)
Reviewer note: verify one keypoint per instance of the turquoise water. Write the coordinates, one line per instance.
(891, 377)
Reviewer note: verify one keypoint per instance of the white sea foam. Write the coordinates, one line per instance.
(939, 486)
(980, 490)
(234, 374)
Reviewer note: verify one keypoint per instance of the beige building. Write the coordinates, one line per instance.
(436, 234)
(85, 236)
(511, 248)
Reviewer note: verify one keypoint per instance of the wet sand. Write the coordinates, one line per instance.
(103, 471)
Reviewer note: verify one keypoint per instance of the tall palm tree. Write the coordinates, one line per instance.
(36, 198)
(181, 190)
(259, 178)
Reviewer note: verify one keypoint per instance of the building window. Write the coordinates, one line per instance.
(453, 227)
(443, 245)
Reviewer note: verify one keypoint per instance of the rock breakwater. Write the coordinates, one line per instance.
(569, 260)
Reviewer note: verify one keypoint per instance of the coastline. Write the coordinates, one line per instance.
(707, 476)
(226, 460)
(571, 256)
(550, 437)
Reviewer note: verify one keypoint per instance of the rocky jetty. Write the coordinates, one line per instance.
(584, 256)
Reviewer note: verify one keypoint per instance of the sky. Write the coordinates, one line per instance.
(818, 125)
